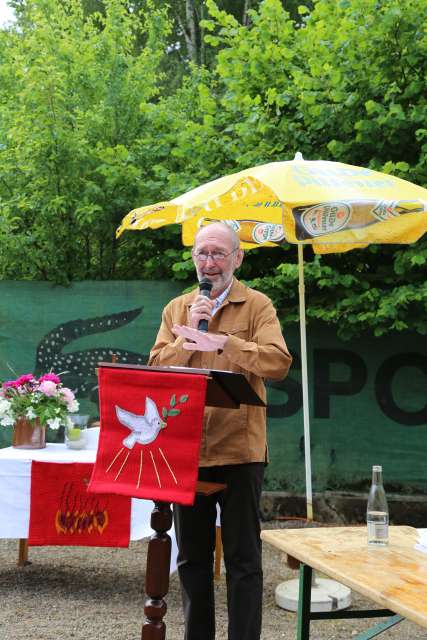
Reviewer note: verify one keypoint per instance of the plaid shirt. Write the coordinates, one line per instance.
(220, 299)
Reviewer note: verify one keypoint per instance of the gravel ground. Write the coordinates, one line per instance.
(91, 593)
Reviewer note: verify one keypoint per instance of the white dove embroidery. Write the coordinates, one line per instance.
(144, 428)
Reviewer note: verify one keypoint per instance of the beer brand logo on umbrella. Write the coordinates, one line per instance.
(326, 218)
(387, 210)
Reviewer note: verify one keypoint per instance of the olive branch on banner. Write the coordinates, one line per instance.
(172, 411)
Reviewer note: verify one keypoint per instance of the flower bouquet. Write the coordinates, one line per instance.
(30, 404)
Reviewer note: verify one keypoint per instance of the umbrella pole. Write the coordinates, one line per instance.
(305, 405)
(287, 594)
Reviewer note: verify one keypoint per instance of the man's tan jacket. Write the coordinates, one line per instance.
(255, 347)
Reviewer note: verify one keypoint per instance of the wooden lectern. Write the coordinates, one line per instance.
(224, 389)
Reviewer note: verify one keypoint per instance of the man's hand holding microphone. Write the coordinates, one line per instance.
(200, 314)
(201, 309)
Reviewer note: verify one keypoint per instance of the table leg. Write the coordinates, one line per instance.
(304, 602)
(373, 632)
(23, 552)
(305, 615)
(157, 573)
(218, 553)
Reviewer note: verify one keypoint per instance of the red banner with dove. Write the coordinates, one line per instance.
(63, 513)
(151, 425)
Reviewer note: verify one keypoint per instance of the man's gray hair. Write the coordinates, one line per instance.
(235, 239)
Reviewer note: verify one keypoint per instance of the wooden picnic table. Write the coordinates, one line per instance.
(394, 576)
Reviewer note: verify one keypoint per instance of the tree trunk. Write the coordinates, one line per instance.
(245, 17)
(202, 35)
(190, 31)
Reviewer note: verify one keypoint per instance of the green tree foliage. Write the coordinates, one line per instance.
(186, 40)
(106, 105)
(73, 91)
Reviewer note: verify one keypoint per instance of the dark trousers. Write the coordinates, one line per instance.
(240, 529)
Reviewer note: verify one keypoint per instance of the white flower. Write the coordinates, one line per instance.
(7, 421)
(73, 406)
(54, 423)
(4, 406)
(30, 413)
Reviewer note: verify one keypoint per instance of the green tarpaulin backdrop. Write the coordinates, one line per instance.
(367, 397)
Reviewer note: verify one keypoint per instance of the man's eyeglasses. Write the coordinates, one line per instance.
(217, 256)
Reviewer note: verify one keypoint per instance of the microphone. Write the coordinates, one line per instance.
(205, 288)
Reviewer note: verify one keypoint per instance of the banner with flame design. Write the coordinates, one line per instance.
(151, 425)
(62, 512)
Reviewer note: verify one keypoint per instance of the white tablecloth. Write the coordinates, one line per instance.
(15, 482)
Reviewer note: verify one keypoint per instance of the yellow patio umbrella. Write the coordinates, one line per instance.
(332, 206)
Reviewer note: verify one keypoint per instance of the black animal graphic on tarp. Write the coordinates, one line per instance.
(79, 366)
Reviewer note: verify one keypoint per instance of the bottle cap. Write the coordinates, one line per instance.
(377, 467)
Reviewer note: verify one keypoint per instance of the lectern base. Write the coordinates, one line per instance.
(158, 565)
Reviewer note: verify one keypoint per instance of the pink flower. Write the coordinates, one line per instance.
(67, 394)
(50, 376)
(24, 379)
(10, 384)
(48, 388)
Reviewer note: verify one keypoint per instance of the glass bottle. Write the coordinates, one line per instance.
(377, 510)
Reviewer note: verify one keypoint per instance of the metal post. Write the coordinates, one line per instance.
(304, 375)
(304, 602)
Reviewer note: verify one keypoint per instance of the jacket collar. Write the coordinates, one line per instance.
(238, 291)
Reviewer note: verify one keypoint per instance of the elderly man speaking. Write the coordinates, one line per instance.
(244, 336)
